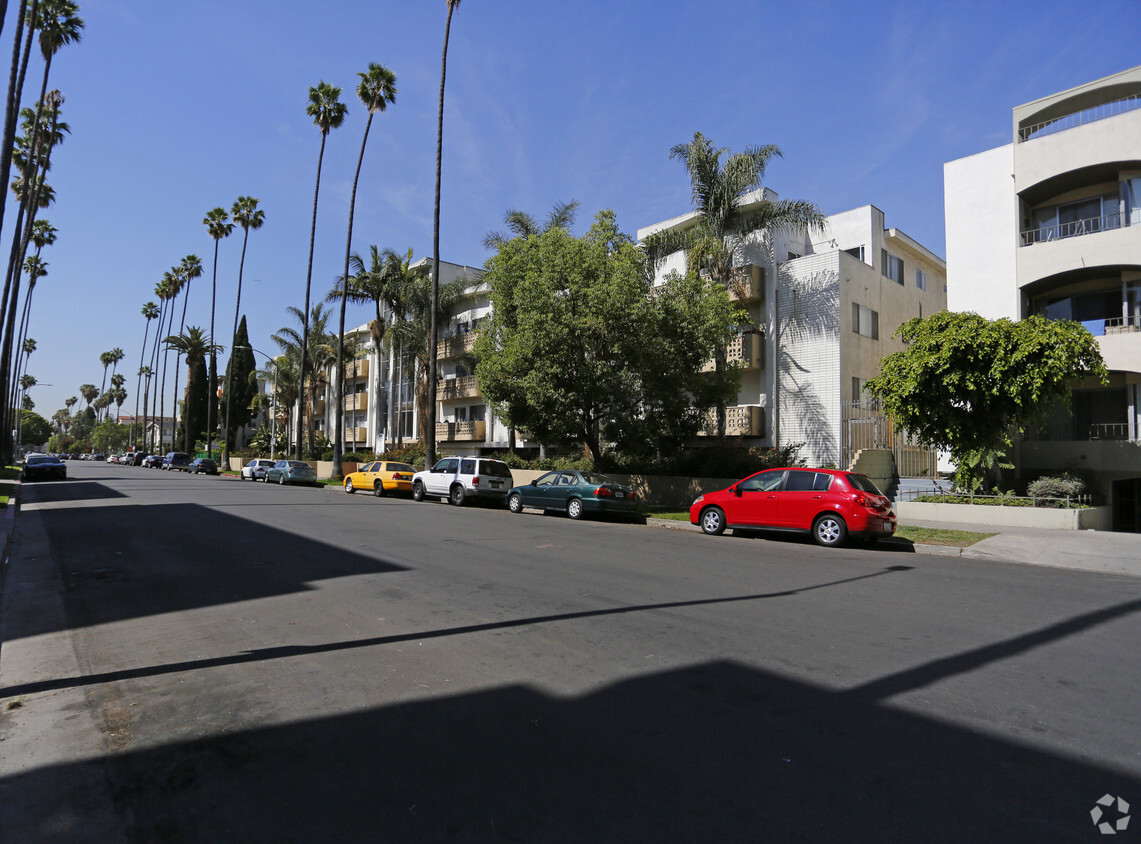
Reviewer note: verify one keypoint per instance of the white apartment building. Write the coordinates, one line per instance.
(823, 309)
(1050, 224)
(380, 404)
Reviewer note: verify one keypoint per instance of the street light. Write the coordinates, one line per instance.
(273, 410)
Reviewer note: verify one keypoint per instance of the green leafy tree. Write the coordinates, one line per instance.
(196, 346)
(719, 190)
(110, 437)
(522, 224)
(34, 429)
(578, 350)
(968, 385)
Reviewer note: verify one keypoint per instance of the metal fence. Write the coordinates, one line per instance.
(864, 425)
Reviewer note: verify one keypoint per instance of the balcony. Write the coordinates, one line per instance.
(461, 431)
(357, 401)
(453, 347)
(1079, 228)
(356, 369)
(465, 387)
(740, 421)
(747, 284)
(357, 435)
(319, 406)
(748, 350)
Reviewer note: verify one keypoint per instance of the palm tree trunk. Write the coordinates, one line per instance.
(178, 360)
(340, 396)
(162, 386)
(139, 380)
(433, 332)
(305, 313)
(15, 91)
(211, 398)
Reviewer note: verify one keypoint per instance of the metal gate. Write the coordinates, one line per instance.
(864, 425)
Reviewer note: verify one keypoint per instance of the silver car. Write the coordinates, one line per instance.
(255, 470)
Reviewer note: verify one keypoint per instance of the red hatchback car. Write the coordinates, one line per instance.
(831, 504)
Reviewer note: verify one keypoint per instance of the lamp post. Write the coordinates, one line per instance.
(273, 409)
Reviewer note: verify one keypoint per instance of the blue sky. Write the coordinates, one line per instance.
(176, 108)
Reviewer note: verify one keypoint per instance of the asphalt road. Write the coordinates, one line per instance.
(199, 659)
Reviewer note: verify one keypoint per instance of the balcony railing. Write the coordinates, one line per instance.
(464, 387)
(746, 283)
(740, 421)
(357, 435)
(467, 431)
(747, 349)
(1066, 431)
(1075, 228)
(1078, 118)
(357, 401)
(453, 347)
(356, 369)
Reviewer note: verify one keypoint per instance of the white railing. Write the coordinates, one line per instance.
(1078, 118)
(1076, 228)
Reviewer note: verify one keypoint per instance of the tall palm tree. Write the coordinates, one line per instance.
(163, 292)
(150, 311)
(218, 226)
(316, 353)
(16, 85)
(89, 392)
(195, 345)
(172, 286)
(247, 215)
(376, 90)
(35, 269)
(43, 234)
(328, 113)
(719, 192)
(105, 358)
(70, 403)
(434, 332)
(189, 268)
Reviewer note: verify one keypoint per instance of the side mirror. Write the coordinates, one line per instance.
(737, 491)
(531, 484)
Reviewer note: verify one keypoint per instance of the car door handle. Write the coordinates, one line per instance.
(817, 497)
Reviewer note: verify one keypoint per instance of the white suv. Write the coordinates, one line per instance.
(459, 479)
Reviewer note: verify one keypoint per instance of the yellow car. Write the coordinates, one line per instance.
(382, 477)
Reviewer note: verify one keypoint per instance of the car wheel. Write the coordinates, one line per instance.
(515, 503)
(574, 508)
(349, 486)
(417, 491)
(457, 496)
(281, 480)
(713, 521)
(829, 530)
(378, 489)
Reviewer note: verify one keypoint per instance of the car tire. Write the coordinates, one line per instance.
(349, 488)
(456, 496)
(829, 530)
(575, 508)
(378, 489)
(515, 503)
(712, 521)
(418, 491)
(281, 480)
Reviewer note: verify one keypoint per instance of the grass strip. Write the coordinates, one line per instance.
(939, 536)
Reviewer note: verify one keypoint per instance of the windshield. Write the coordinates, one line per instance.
(40, 460)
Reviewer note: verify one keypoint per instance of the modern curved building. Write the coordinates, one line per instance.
(1050, 224)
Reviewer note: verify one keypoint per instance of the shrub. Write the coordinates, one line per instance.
(1055, 486)
(413, 455)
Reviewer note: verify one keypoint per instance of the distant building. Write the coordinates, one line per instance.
(1050, 224)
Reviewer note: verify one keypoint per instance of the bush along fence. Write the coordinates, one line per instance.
(1069, 502)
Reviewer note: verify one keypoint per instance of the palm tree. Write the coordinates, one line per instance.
(522, 224)
(189, 268)
(434, 331)
(145, 375)
(164, 291)
(328, 112)
(725, 215)
(89, 392)
(319, 354)
(70, 403)
(15, 90)
(193, 343)
(218, 225)
(43, 234)
(150, 311)
(105, 358)
(247, 215)
(35, 269)
(376, 90)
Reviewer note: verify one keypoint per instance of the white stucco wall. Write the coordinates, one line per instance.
(981, 213)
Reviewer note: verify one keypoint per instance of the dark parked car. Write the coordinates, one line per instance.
(133, 458)
(575, 493)
(152, 461)
(176, 460)
(830, 504)
(44, 466)
(203, 466)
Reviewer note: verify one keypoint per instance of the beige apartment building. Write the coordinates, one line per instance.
(1050, 224)
(822, 311)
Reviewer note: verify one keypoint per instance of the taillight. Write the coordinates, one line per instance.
(860, 500)
(603, 492)
(475, 481)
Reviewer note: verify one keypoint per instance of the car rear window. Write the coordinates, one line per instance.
(495, 468)
(400, 467)
(863, 483)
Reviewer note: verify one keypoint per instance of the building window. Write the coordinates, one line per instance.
(865, 321)
(792, 256)
(892, 267)
(921, 279)
(856, 252)
(858, 389)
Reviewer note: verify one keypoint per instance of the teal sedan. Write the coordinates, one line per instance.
(291, 472)
(574, 493)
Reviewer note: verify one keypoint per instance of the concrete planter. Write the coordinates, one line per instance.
(325, 467)
(1041, 518)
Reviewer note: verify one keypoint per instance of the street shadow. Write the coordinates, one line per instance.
(36, 492)
(713, 752)
(154, 559)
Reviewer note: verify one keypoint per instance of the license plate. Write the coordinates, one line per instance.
(497, 485)
(887, 526)
(619, 495)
